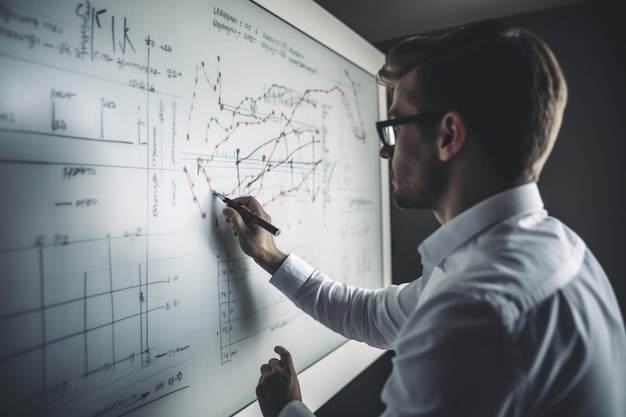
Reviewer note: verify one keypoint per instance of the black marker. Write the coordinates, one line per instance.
(248, 217)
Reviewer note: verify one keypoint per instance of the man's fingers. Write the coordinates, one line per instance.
(234, 218)
(285, 358)
(274, 363)
(253, 205)
(265, 369)
(285, 362)
(249, 202)
(228, 213)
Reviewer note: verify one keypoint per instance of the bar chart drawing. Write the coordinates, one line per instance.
(88, 325)
(237, 309)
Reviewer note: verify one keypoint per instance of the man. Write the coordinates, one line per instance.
(513, 315)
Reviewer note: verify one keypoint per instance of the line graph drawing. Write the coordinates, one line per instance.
(273, 140)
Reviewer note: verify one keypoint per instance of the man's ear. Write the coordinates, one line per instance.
(452, 135)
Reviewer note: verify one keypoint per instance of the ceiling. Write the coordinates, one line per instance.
(383, 20)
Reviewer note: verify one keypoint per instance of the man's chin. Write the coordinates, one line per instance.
(400, 201)
(403, 201)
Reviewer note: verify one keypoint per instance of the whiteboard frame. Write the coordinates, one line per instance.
(323, 379)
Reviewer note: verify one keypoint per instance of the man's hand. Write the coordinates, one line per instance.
(253, 239)
(278, 384)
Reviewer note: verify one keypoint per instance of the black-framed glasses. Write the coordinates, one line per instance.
(387, 128)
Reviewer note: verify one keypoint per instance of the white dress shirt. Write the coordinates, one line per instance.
(513, 316)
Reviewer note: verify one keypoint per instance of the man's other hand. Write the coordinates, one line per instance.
(278, 384)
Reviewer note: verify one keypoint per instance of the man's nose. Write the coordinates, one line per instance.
(386, 152)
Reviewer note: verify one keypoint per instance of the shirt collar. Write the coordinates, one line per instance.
(445, 240)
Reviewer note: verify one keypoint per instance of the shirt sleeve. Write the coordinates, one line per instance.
(453, 359)
(295, 409)
(371, 316)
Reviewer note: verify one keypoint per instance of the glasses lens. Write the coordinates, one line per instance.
(390, 135)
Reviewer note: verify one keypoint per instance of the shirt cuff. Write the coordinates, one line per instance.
(291, 275)
(295, 409)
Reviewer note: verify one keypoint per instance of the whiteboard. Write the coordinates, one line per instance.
(124, 292)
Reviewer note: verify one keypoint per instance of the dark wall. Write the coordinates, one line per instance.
(583, 183)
